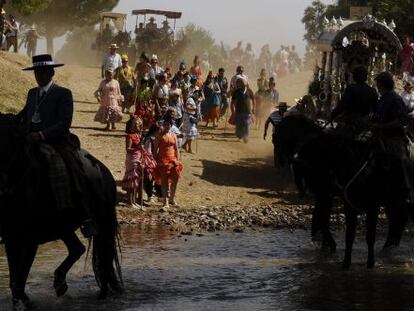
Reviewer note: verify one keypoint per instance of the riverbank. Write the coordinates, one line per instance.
(226, 184)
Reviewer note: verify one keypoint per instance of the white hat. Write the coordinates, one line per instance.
(154, 57)
(3, 11)
(110, 69)
(113, 46)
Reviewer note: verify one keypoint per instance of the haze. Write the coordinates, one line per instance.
(257, 21)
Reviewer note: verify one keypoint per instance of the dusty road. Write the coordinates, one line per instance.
(222, 172)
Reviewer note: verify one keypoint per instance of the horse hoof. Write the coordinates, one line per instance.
(22, 305)
(103, 294)
(117, 287)
(346, 266)
(61, 289)
(60, 285)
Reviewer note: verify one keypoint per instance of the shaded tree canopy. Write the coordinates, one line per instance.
(56, 17)
(199, 40)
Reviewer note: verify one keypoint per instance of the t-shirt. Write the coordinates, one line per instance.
(243, 102)
(11, 32)
(408, 98)
(112, 61)
(275, 118)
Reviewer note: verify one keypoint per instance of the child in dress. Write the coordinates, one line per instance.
(169, 167)
(109, 96)
(139, 164)
(190, 120)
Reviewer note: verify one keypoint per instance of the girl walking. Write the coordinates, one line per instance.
(139, 164)
(169, 167)
(109, 96)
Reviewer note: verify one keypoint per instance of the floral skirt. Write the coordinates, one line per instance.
(108, 115)
(138, 163)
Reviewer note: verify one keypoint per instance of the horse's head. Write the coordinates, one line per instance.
(292, 132)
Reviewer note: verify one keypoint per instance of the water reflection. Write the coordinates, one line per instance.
(272, 270)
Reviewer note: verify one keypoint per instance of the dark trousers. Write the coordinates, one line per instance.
(12, 41)
(276, 161)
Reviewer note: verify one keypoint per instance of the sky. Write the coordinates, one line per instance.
(257, 21)
(276, 22)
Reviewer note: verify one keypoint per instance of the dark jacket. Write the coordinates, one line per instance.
(56, 112)
(358, 99)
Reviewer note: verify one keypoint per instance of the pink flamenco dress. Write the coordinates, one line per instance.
(138, 161)
(109, 94)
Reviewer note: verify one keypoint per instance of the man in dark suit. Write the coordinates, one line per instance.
(48, 117)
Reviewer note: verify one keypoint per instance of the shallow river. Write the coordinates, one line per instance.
(268, 270)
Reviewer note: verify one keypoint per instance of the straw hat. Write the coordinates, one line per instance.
(113, 46)
(154, 57)
(124, 57)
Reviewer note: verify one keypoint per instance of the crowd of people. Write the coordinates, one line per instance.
(11, 37)
(165, 109)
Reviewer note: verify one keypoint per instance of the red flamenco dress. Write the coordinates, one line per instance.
(138, 161)
(168, 163)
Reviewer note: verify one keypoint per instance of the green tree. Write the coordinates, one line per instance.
(55, 18)
(199, 40)
(401, 11)
(313, 19)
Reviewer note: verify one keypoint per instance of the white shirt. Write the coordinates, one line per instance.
(233, 82)
(112, 61)
(45, 88)
(13, 33)
(408, 98)
(155, 71)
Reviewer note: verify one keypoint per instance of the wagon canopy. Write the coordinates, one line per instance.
(118, 20)
(167, 14)
(384, 38)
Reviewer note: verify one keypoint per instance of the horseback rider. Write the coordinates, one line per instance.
(358, 102)
(47, 116)
(388, 124)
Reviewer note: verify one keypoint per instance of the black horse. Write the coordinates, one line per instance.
(29, 216)
(362, 176)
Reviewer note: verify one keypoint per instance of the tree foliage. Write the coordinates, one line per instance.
(199, 40)
(401, 11)
(313, 20)
(56, 17)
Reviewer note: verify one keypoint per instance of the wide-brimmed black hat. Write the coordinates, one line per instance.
(41, 61)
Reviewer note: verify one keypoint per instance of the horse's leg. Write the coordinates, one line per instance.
(351, 218)
(321, 220)
(372, 220)
(20, 259)
(397, 219)
(75, 252)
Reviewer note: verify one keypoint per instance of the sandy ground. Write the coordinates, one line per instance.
(224, 176)
(222, 172)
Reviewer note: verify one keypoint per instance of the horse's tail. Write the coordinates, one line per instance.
(106, 244)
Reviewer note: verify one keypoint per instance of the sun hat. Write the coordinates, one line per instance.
(42, 61)
(113, 46)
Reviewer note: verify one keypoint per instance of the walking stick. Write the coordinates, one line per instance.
(142, 185)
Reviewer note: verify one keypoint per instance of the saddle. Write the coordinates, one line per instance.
(73, 173)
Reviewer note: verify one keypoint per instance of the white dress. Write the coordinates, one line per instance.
(190, 128)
